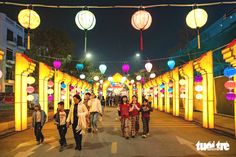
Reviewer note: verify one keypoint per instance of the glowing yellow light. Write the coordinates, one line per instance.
(196, 18)
(50, 91)
(30, 80)
(30, 97)
(29, 18)
(199, 96)
(182, 82)
(141, 20)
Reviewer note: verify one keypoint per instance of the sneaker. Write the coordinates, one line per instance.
(42, 140)
(61, 149)
(144, 136)
(37, 143)
(127, 137)
(79, 148)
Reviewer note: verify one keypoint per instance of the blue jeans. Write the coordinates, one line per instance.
(94, 119)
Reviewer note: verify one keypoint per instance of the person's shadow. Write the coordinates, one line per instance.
(89, 145)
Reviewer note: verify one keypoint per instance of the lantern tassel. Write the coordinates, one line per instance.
(141, 40)
(198, 39)
(85, 41)
(28, 40)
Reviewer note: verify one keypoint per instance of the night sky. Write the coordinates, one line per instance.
(114, 39)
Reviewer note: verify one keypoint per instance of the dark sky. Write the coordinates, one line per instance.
(113, 38)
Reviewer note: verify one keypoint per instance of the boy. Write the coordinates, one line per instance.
(60, 120)
(38, 120)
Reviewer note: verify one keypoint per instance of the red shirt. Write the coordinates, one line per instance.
(124, 110)
(135, 112)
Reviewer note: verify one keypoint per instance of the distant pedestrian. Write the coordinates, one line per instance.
(38, 120)
(60, 120)
(77, 117)
(145, 110)
(124, 113)
(103, 103)
(86, 99)
(134, 107)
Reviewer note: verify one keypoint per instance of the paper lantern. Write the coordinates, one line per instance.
(50, 84)
(57, 64)
(50, 98)
(141, 20)
(230, 84)
(170, 90)
(79, 66)
(162, 95)
(95, 78)
(102, 68)
(170, 95)
(171, 64)
(132, 81)
(198, 78)
(85, 20)
(82, 76)
(110, 78)
(30, 89)
(142, 80)
(63, 91)
(30, 97)
(162, 86)
(230, 96)
(0, 74)
(199, 88)
(148, 66)
(162, 91)
(182, 95)
(182, 82)
(50, 91)
(71, 87)
(182, 89)
(90, 81)
(29, 19)
(125, 68)
(170, 84)
(30, 80)
(101, 81)
(199, 96)
(138, 78)
(152, 75)
(196, 19)
(229, 72)
(63, 97)
(63, 85)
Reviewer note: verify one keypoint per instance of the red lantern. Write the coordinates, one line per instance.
(141, 20)
(230, 85)
(50, 84)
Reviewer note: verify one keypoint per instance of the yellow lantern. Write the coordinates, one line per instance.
(196, 19)
(30, 80)
(30, 97)
(29, 19)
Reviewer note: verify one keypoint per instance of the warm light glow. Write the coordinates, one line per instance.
(138, 78)
(198, 88)
(101, 81)
(50, 91)
(29, 18)
(96, 78)
(196, 18)
(63, 97)
(30, 97)
(141, 20)
(88, 55)
(85, 20)
(30, 80)
(110, 79)
(148, 66)
(199, 96)
(230, 84)
(152, 75)
(30, 89)
(50, 84)
(132, 81)
(82, 76)
(182, 95)
(182, 82)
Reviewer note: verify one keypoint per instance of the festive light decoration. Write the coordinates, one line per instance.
(57, 64)
(196, 19)
(141, 20)
(182, 89)
(50, 84)
(170, 90)
(101, 81)
(198, 78)
(82, 76)
(50, 98)
(123, 79)
(171, 63)
(30, 89)
(142, 80)
(95, 78)
(30, 80)
(162, 86)
(148, 66)
(85, 20)
(170, 95)
(63, 85)
(50, 91)
(162, 91)
(199, 88)
(30, 97)
(79, 66)
(230, 84)
(152, 75)
(138, 78)
(182, 95)
(170, 84)
(63, 97)
(132, 81)
(110, 78)
(72, 87)
(229, 72)
(0, 74)
(230, 96)
(125, 68)
(182, 82)
(29, 19)
(103, 68)
(199, 96)
(63, 91)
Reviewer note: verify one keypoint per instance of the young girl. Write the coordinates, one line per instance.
(124, 113)
(145, 110)
(134, 107)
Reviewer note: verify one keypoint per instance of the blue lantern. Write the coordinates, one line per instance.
(63, 85)
(79, 66)
(162, 86)
(90, 81)
(86, 90)
(103, 68)
(171, 64)
(170, 90)
(229, 72)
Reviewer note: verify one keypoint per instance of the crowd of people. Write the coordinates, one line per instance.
(83, 117)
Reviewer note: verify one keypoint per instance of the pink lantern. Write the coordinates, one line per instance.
(30, 89)
(57, 64)
(182, 89)
(230, 84)
(71, 87)
(125, 68)
(50, 84)
(198, 78)
(170, 84)
(50, 98)
(142, 80)
(230, 96)
(162, 91)
(63, 91)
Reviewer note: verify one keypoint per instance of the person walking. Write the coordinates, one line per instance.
(38, 120)
(103, 103)
(77, 117)
(60, 120)
(145, 111)
(86, 99)
(124, 113)
(135, 107)
(95, 110)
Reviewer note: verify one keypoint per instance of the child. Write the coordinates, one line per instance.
(38, 120)
(60, 120)
(145, 110)
(124, 113)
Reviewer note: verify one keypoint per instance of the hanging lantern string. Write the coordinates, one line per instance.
(118, 6)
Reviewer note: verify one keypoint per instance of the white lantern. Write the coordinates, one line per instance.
(132, 81)
(199, 88)
(196, 18)
(110, 79)
(50, 91)
(30, 97)
(101, 81)
(148, 66)
(182, 82)
(63, 97)
(199, 96)
(138, 78)
(103, 68)
(85, 20)
(82, 76)
(152, 75)
(182, 96)
(30, 80)
(96, 78)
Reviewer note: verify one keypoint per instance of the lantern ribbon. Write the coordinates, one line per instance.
(141, 40)
(198, 38)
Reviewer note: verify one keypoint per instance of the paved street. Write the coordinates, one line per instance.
(169, 136)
